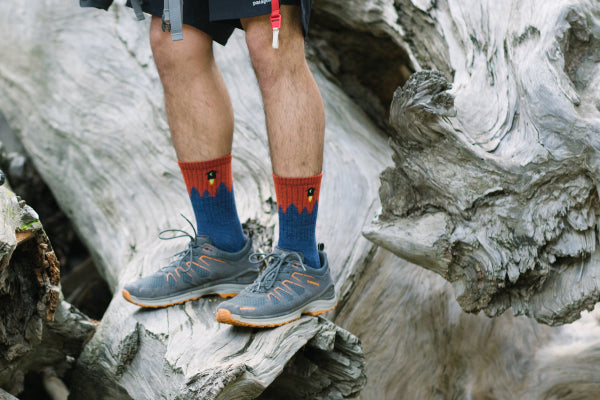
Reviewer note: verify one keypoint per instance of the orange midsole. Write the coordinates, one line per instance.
(127, 297)
(224, 316)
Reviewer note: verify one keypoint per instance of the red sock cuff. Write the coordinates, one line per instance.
(302, 192)
(207, 175)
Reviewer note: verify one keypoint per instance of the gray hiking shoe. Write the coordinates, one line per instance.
(285, 290)
(200, 270)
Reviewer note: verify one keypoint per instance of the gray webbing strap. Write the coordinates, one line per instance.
(173, 18)
(137, 8)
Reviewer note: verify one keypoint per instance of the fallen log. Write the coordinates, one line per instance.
(418, 342)
(38, 330)
(122, 189)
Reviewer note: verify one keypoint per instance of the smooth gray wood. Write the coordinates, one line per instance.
(98, 135)
(38, 330)
(420, 344)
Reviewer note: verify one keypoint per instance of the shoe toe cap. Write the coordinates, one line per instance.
(144, 287)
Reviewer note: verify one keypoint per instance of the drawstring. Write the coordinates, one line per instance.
(172, 18)
(275, 22)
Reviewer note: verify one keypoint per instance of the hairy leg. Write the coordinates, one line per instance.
(293, 104)
(198, 106)
(201, 121)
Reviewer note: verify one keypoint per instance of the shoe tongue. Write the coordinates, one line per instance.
(201, 240)
(283, 252)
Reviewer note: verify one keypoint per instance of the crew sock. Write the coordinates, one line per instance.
(210, 186)
(297, 203)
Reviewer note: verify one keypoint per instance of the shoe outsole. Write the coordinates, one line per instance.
(128, 297)
(224, 316)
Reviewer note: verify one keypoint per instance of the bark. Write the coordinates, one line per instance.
(37, 329)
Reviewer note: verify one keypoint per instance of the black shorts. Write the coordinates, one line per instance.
(219, 18)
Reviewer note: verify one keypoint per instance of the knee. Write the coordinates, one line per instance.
(175, 59)
(159, 43)
(264, 58)
(271, 65)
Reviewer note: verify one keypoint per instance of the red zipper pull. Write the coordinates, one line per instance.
(275, 22)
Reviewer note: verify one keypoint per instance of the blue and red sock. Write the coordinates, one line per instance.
(297, 202)
(210, 186)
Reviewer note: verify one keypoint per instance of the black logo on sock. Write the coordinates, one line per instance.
(212, 175)
(310, 192)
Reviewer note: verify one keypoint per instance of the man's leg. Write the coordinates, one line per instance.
(198, 107)
(295, 126)
(293, 104)
(288, 287)
(200, 118)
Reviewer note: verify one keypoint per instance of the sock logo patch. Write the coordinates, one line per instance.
(310, 193)
(208, 180)
(301, 199)
(211, 175)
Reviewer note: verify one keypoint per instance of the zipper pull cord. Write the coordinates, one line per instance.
(275, 22)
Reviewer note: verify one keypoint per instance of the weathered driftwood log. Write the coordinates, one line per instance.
(37, 329)
(98, 135)
(419, 343)
(495, 181)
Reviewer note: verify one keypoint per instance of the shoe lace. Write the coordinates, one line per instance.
(187, 252)
(275, 261)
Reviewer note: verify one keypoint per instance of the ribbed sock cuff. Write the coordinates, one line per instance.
(207, 175)
(303, 193)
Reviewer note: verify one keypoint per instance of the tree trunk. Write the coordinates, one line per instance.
(37, 329)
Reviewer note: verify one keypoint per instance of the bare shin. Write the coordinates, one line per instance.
(293, 105)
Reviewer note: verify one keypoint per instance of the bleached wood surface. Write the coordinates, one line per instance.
(419, 344)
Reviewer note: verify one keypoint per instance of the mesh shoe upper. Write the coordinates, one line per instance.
(285, 285)
(200, 265)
